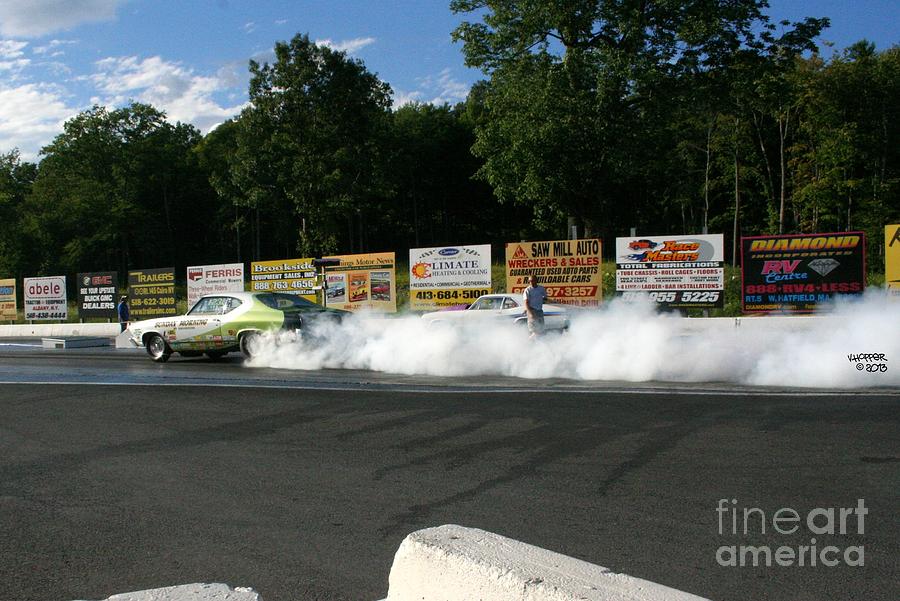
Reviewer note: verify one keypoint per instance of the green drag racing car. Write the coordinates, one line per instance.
(218, 324)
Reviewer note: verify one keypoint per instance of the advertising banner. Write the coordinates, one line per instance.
(213, 279)
(8, 306)
(568, 269)
(362, 282)
(444, 276)
(151, 293)
(292, 276)
(892, 260)
(45, 298)
(798, 273)
(97, 294)
(679, 272)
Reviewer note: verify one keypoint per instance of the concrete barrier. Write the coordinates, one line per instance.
(453, 563)
(59, 329)
(191, 592)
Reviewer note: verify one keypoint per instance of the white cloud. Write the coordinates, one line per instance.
(249, 27)
(28, 18)
(30, 117)
(182, 94)
(439, 89)
(281, 21)
(348, 46)
(12, 57)
(50, 49)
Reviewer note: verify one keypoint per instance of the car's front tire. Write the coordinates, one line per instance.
(248, 343)
(157, 348)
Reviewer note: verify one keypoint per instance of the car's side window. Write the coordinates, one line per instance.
(478, 305)
(231, 304)
(509, 303)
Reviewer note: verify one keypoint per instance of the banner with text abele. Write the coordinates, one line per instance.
(568, 269)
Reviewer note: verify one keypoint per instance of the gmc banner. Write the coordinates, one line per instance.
(97, 294)
(798, 273)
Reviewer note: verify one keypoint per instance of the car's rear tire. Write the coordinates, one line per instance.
(157, 348)
(248, 342)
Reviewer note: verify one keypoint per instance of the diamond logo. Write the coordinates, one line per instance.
(823, 266)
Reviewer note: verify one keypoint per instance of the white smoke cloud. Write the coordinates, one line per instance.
(622, 342)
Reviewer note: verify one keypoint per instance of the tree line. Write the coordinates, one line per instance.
(602, 115)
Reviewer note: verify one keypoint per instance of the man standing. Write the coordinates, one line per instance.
(535, 296)
(124, 312)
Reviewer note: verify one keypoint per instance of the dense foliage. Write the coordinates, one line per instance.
(668, 117)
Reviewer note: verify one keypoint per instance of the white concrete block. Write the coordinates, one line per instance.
(191, 592)
(454, 563)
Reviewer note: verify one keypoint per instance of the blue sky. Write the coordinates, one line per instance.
(189, 57)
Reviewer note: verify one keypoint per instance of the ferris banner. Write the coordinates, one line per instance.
(679, 272)
(800, 273)
(291, 276)
(892, 260)
(444, 276)
(366, 281)
(8, 308)
(568, 269)
(213, 279)
(45, 298)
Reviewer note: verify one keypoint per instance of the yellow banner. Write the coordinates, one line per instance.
(290, 276)
(367, 281)
(892, 259)
(441, 298)
(8, 309)
(569, 269)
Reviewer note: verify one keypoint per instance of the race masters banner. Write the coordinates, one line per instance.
(797, 273)
(8, 308)
(45, 298)
(449, 275)
(680, 272)
(568, 269)
(892, 260)
(293, 276)
(97, 294)
(151, 293)
(213, 279)
(362, 282)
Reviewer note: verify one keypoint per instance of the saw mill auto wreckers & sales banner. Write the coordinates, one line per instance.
(568, 269)
(45, 298)
(213, 279)
(799, 273)
(151, 293)
(358, 282)
(291, 276)
(8, 308)
(448, 275)
(678, 272)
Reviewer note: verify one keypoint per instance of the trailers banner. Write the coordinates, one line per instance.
(892, 260)
(45, 298)
(213, 279)
(367, 281)
(291, 276)
(678, 272)
(444, 276)
(97, 294)
(9, 310)
(151, 293)
(568, 269)
(799, 273)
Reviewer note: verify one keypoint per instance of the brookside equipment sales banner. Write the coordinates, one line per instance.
(151, 293)
(45, 298)
(291, 276)
(892, 260)
(366, 281)
(8, 307)
(798, 273)
(213, 279)
(678, 272)
(97, 294)
(568, 269)
(444, 276)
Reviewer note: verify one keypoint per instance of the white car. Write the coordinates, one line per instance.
(500, 307)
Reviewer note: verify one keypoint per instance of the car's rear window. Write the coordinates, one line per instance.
(286, 302)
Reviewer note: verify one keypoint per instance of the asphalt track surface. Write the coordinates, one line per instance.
(303, 485)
